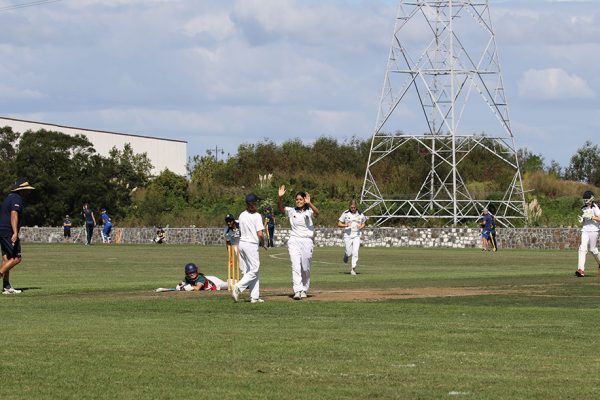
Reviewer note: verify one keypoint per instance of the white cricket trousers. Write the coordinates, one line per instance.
(301, 252)
(249, 264)
(589, 241)
(219, 283)
(352, 246)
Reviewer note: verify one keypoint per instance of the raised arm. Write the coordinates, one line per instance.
(280, 199)
(311, 205)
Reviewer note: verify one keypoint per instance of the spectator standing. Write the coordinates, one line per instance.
(67, 224)
(90, 223)
(269, 226)
(486, 227)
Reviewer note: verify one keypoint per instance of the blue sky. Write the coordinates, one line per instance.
(226, 72)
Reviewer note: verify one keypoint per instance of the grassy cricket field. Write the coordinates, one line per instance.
(414, 324)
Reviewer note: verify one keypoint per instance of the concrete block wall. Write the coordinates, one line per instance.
(531, 238)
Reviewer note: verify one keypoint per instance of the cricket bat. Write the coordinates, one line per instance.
(164, 289)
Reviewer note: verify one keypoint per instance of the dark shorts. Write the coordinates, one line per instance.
(8, 249)
(67, 233)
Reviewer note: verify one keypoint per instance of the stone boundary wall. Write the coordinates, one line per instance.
(514, 238)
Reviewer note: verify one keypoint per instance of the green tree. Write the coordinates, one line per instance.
(56, 164)
(8, 153)
(129, 170)
(554, 169)
(530, 162)
(167, 193)
(585, 164)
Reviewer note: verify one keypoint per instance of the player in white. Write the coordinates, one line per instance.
(251, 237)
(590, 218)
(353, 221)
(301, 242)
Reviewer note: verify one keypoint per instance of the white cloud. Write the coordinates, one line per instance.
(223, 72)
(9, 93)
(320, 24)
(553, 84)
(217, 26)
(550, 23)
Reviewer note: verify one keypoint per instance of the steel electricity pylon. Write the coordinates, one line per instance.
(443, 98)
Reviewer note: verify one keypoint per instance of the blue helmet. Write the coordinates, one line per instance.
(190, 268)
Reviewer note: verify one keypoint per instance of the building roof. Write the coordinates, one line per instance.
(92, 130)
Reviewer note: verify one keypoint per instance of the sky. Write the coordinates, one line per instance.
(221, 73)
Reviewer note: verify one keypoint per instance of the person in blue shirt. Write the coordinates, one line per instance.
(67, 224)
(270, 226)
(90, 223)
(107, 227)
(486, 223)
(11, 213)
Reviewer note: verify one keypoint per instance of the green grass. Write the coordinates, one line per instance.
(89, 327)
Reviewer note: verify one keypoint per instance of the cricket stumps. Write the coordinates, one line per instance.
(233, 266)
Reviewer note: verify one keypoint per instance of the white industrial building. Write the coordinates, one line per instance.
(163, 153)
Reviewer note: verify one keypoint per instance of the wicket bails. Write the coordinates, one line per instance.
(233, 266)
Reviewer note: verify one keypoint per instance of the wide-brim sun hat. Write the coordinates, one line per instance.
(21, 184)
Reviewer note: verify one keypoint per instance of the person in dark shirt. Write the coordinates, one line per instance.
(270, 226)
(90, 223)
(10, 223)
(486, 223)
(67, 224)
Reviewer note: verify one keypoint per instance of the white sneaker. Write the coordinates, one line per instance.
(10, 290)
(235, 293)
(257, 301)
(303, 295)
(352, 272)
(297, 296)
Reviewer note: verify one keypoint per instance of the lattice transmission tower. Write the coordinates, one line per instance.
(443, 84)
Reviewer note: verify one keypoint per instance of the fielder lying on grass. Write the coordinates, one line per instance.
(195, 281)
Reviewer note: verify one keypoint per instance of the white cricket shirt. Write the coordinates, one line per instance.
(354, 219)
(590, 225)
(301, 222)
(250, 225)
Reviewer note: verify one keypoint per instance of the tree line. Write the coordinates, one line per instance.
(67, 172)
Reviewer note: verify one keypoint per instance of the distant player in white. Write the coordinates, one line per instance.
(590, 218)
(353, 221)
(301, 242)
(251, 237)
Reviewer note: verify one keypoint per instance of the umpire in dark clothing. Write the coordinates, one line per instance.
(90, 223)
(10, 224)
